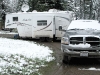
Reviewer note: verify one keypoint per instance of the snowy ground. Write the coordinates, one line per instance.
(20, 57)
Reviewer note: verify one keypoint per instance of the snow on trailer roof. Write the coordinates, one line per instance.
(33, 14)
(84, 24)
(51, 11)
(40, 12)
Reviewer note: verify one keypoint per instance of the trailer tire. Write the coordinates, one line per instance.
(55, 38)
(48, 39)
(42, 39)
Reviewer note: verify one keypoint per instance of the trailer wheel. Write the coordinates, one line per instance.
(42, 39)
(55, 38)
(48, 39)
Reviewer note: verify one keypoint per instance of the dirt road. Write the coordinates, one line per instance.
(77, 66)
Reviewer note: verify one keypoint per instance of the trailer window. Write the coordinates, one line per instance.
(15, 18)
(42, 22)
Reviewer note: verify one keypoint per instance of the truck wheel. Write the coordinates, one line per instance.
(48, 39)
(65, 59)
(98, 59)
(42, 39)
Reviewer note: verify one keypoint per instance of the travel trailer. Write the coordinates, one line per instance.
(41, 25)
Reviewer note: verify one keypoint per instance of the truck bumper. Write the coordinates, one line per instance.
(80, 52)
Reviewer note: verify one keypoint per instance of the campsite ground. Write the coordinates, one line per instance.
(77, 66)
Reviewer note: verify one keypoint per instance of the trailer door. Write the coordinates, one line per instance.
(63, 21)
(58, 22)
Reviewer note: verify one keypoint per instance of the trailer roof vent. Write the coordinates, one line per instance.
(53, 10)
(34, 11)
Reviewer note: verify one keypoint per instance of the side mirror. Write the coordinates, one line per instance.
(60, 28)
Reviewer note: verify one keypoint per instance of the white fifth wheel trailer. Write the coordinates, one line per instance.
(42, 25)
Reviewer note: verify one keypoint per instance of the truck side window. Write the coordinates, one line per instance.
(42, 22)
(15, 18)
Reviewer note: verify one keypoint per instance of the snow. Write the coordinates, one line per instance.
(28, 49)
(80, 45)
(91, 69)
(84, 36)
(84, 24)
(20, 55)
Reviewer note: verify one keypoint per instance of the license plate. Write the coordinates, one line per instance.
(84, 54)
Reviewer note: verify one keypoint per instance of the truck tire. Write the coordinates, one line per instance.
(65, 59)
